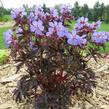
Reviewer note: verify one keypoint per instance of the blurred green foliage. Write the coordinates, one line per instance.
(4, 54)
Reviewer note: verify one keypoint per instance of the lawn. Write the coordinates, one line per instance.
(104, 27)
(2, 43)
(3, 51)
(5, 18)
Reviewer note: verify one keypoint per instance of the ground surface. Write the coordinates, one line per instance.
(8, 80)
(100, 99)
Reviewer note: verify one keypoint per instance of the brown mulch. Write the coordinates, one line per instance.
(99, 100)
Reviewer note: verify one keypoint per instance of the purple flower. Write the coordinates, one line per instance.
(8, 37)
(99, 37)
(79, 26)
(53, 12)
(18, 12)
(81, 22)
(32, 17)
(76, 40)
(39, 12)
(50, 31)
(52, 28)
(65, 9)
(62, 31)
(98, 24)
(37, 27)
(33, 47)
(92, 26)
(107, 34)
(95, 25)
(84, 27)
(19, 31)
(58, 29)
(53, 24)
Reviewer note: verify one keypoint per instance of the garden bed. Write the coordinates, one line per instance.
(99, 100)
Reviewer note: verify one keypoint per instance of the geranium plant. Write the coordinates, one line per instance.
(55, 56)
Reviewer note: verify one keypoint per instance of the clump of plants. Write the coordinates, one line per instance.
(56, 58)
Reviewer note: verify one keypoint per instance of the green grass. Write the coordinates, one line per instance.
(3, 56)
(3, 51)
(5, 18)
(2, 43)
(106, 48)
(104, 27)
